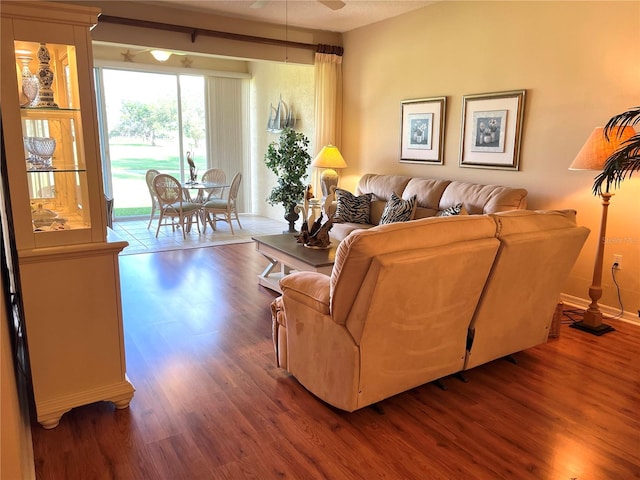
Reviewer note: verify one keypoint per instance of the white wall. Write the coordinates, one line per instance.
(580, 65)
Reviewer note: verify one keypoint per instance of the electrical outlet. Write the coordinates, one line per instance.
(618, 259)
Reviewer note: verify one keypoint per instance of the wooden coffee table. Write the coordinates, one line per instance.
(284, 252)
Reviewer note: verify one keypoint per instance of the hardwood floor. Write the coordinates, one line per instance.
(210, 403)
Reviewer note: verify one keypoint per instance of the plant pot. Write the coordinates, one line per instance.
(291, 217)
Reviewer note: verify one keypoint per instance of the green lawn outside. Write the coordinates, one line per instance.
(129, 164)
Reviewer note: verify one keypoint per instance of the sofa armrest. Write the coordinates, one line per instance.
(319, 352)
(309, 288)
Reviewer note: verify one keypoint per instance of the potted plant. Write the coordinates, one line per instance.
(288, 159)
(626, 159)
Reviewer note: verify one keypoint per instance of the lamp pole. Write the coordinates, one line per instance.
(592, 320)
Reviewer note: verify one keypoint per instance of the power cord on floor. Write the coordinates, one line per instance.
(575, 314)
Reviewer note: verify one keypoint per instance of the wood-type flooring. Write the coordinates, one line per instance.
(210, 403)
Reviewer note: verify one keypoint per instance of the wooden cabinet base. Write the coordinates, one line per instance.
(50, 412)
(73, 320)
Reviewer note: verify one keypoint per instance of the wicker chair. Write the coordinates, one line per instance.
(173, 205)
(214, 175)
(150, 175)
(222, 206)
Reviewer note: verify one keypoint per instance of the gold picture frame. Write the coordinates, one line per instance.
(491, 133)
(422, 130)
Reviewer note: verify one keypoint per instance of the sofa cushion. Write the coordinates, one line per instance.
(455, 210)
(427, 190)
(398, 210)
(481, 199)
(382, 186)
(351, 208)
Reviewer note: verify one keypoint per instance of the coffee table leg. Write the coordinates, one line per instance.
(270, 279)
(273, 263)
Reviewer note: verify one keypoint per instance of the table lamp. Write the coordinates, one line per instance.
(330, 159)
(593, 156)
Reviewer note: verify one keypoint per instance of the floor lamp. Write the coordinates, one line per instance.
(593, 156)
(330, 159)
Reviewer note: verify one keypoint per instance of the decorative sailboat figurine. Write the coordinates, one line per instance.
(280, 118)
(290, 120)
(274, 119)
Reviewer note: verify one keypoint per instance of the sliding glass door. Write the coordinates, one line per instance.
(149, 121)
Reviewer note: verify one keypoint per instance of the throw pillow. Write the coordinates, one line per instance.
(398, 210)
(455, 210)
(352, 209)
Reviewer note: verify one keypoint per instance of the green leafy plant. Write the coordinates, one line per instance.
(626, 159)
(288, 159)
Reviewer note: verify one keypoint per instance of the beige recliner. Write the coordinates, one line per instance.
(537, 252)
(409, 303)
(393, 315)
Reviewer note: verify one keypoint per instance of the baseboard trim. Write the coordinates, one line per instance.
(610, 313)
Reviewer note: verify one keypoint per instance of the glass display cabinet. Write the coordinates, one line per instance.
(67, 256)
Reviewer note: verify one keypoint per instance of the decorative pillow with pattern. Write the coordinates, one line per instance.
(352, 209)
(451, 211)
(398, 210)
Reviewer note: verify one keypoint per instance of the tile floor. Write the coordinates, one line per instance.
(143, 240)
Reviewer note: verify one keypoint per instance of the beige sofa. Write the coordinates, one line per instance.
(408, 303)
(432, 196)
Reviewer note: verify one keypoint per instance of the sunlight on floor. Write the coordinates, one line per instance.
(143, 240)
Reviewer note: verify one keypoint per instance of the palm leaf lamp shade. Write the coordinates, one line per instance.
(593, 156)
(330, 159)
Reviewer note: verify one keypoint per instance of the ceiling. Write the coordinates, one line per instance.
(313, 14)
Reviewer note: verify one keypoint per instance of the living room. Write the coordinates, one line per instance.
(576, 60)
(575, 80)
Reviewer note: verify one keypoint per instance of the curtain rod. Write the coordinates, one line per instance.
(194, 32)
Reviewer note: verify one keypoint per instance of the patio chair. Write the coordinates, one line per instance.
(214, 175)
(173, 205)
(222, 206)
(150, 175)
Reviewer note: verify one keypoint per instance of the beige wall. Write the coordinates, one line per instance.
(269, 81)
(580, 65)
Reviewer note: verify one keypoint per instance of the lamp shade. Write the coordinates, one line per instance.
(329, 157)
(597, 149)
(161, 55)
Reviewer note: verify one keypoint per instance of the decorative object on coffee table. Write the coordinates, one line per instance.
(602, 144)
(289, 160)
(316, 236)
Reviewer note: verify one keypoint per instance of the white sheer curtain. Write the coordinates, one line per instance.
(328, 101)
(229, 139)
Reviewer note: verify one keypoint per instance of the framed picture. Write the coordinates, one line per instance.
(492, 130)
(422, 137)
